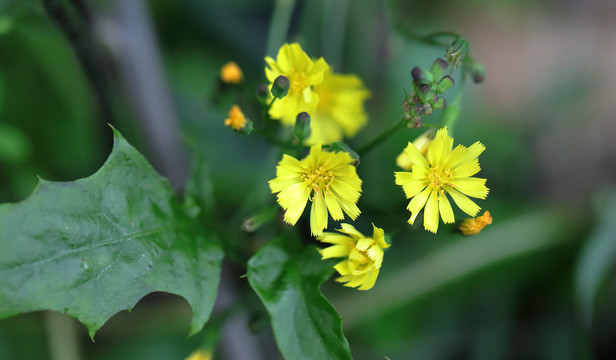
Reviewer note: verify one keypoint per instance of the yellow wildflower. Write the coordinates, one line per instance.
(363, 255)
(421, 143)
(439, 172)
(340, 111)
(230, 73)
(326, 179)
(474, 226)
(303, 74)
(236, 120)
(200, 355)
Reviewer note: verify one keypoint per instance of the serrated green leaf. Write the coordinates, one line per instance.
(93, 247)
(287, 279)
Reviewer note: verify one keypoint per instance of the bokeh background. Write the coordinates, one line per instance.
(537, 284)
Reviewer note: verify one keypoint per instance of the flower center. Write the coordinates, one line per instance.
(318, 179)
(440, 179)
(297, 82)
(365, 263)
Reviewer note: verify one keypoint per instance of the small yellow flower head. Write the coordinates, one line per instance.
(439, 172)
(326, 179)
(230, 73)
(200, 355)
(474, 226)
(363, 255)
(236, 120)
(340, 111)
(421, 143)
(302, 73)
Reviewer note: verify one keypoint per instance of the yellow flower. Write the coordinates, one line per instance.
(442, 171)
(200, 355)
(236, 119)
(474, 226)
(340, 111)
(363, 255)
(326, 179)
(230, 73)
(303, 74)
(421, 143)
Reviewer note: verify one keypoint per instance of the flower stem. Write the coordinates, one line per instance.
(382, 137)
(279, 27)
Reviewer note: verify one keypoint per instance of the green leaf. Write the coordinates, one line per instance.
(287, 279)
(598, 256)
(93, 247)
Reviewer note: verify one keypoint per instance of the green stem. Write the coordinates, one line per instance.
(62, 336)
(279, 26)
(382, 137)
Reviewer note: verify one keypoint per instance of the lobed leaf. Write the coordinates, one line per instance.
(93, 247)
(287, 280)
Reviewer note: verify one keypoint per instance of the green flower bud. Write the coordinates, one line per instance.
(260, 218)
(301, 130)
(262, 93)
(478, 73)
(280, 88)
(339, 146)
(439, 104)
(438, 68)
(247, 129)
(457, 52)
(421, 76)
(445, 84)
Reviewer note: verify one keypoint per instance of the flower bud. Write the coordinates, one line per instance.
(478, 73)
(438, 67)
(301, 130)
(339, 146)
(262, 93)
(439, 104)
(230, 73)
(457, 52)
(421, 76)
(280, 87)
(445, 84)
(260, 218)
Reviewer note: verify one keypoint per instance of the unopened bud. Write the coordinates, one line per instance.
(260, 218)
(478, 73)
(301, 130)
(439, 104)
(280, 88)
(438, 67)
(340, 146)
(445, 84)
(421, 76)
(427, 109)
(262, 93)
(457, 52)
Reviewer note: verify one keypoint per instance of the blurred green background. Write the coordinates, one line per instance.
(537, 284)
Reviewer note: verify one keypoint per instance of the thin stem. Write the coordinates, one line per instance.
(62, 336)
(382, 137)
(279, 27)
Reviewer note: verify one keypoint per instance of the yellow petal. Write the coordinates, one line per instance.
(379, 237)
(333, 206)
(416, 157)
(335, 251)
(318, 214)
(418, 202)
(350, 230)
(334, 238)
(464, 203)
(369, 281)
(363, 244)
(445, 209)
(431, 219)
(473, 187)
(343, 267)
(467, 169)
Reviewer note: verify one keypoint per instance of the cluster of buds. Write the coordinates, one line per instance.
(426, 88)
